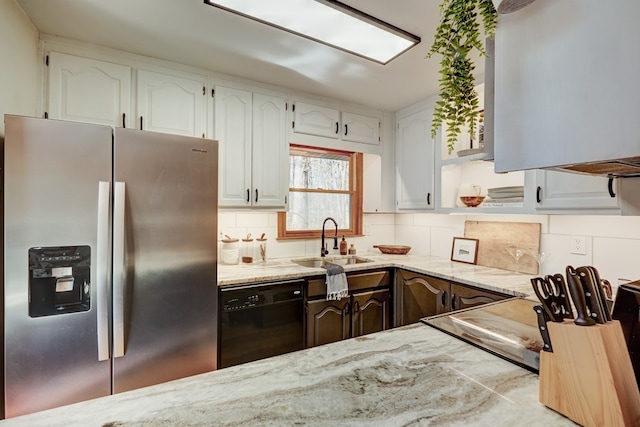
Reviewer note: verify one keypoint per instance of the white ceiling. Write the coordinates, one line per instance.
(193, 33)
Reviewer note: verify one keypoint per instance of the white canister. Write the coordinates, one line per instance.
(229, 251)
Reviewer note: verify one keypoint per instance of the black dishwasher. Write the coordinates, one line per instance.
(260, 321)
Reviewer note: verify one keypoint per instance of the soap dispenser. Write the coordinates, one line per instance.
(343, 246)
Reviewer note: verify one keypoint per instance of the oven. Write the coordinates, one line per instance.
(260, 321)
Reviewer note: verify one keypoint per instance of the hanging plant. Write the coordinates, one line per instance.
(456, 36)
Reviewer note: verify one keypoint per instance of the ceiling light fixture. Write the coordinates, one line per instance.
(328, 22)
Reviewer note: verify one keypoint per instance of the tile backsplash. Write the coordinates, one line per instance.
(612, 242)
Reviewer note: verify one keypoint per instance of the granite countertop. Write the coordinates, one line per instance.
(413, 375)
(493, 279)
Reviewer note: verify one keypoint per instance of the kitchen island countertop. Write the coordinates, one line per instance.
(493, 279)
(414, 375)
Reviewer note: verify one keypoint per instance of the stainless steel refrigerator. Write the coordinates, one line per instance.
(109, 260)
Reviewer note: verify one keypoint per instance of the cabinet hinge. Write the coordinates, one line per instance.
(213, 93)
(46, 60)
(204, 90)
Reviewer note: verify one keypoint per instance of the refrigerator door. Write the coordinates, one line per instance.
(165, 231)
(57, 179)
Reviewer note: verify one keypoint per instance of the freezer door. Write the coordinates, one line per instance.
(53, 199)
(165, 227)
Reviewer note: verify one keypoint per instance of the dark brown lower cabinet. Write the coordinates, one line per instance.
(466, 296)
(362, 313)
(418, 295)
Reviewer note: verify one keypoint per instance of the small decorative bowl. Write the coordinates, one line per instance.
(471, 201)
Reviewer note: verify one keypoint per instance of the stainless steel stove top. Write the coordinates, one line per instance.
(507, 328)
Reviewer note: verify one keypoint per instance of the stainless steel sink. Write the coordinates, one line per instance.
(317, 262)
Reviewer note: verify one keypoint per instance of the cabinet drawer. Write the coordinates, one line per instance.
(375, 279)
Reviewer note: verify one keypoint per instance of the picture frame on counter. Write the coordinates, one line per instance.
(464, 250)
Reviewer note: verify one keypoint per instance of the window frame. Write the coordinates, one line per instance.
(355, 190)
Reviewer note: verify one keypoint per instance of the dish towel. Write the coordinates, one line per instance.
(337, 286)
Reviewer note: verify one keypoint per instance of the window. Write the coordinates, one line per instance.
(322, 183)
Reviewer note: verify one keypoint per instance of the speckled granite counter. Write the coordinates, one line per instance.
(414, 375)
(483, 277)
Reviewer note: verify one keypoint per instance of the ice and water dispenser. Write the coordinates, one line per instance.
(59, 280)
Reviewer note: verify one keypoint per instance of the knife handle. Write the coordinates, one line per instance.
(579, 300)
(599, 286)
(542, 327)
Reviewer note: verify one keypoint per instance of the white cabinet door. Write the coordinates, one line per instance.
(315, 120)
(415, 162)
(359, 128)
(270, 158)
(171, 104)
(89, 91)
(372, 182)
(233, 122)
(557, 190)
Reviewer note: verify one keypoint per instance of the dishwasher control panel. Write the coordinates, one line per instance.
(244, 297)
(238, 302)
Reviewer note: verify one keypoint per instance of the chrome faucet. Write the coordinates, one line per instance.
(323, 249)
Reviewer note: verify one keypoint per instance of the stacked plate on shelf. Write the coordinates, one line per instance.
(505, 196)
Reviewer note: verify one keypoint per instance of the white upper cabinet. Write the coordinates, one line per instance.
(557, 190)
(251, 130)
(316, 120)
(270, 157)
(87, 90)
(359, 128)
(233, 111)
(372, 183)
(415, 162)
(171, 104)
(331, 123)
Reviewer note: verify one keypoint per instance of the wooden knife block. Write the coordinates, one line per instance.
(589, 377)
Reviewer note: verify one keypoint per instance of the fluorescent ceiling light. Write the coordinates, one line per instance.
(329, 22)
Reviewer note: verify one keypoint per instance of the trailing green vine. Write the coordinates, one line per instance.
(456, 36)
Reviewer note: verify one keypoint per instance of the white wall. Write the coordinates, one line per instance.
(379, 229)
(612, 242)
(20, 66)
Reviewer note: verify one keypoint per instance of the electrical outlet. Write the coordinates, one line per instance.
(578, 245)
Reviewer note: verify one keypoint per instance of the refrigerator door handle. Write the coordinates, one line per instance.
(118, 269)
(102, 258)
